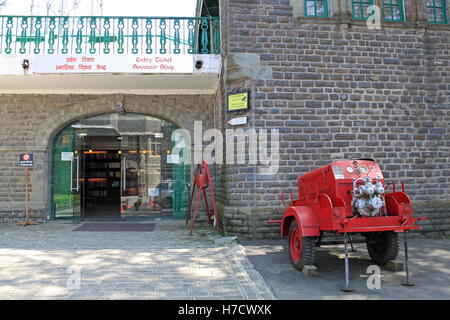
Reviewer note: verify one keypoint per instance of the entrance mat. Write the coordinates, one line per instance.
(108, 227)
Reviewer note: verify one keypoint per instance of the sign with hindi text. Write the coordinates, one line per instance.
(114, 64)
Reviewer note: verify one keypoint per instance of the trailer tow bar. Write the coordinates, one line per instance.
(347, 272)
(406, 282)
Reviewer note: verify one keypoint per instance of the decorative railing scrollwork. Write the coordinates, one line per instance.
(109, 35)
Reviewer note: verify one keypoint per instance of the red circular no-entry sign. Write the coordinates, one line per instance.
(26, 160)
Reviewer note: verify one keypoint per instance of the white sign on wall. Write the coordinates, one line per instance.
(114, 64)
(238, 121)
(173, 159)
(66, 156)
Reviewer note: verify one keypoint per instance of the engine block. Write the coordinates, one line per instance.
(367, 200)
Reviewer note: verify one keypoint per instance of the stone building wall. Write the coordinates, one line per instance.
(337, 90)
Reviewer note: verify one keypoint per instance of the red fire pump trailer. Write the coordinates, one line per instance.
(347, 197)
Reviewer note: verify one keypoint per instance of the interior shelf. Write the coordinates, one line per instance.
(105, 170)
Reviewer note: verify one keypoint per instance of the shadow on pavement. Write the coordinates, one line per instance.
(429, 266)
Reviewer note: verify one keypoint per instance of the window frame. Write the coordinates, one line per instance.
(326, 13)
(401, 7)
(443, 6)
(361, 3)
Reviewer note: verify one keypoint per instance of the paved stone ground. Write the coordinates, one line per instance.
(40, 262)
(429, 265)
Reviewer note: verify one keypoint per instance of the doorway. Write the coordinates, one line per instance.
(102, 172)
(118, 167)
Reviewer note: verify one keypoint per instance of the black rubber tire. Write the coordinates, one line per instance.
(383, 247)
(308, 252)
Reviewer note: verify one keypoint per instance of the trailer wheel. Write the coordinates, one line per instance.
(383, 246)
(302, 250)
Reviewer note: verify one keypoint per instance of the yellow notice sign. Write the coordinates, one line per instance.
(238, 101)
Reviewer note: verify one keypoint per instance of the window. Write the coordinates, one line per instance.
(316, 8)
(393, 10)
(436, 11)
(359, 8)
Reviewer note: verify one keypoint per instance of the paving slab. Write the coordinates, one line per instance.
(51, 261)
(429, 265)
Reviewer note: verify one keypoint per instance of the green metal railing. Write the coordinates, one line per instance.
(109, 35)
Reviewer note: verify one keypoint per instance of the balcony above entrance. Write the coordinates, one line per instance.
(44, 54)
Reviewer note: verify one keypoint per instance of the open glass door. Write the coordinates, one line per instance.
(140, 177)
(77, 183)
(67, 171)
(175, 169)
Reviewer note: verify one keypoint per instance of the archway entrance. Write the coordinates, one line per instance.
(118, 167)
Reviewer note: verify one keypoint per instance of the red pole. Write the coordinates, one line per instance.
(26, 221)
(26, 195)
